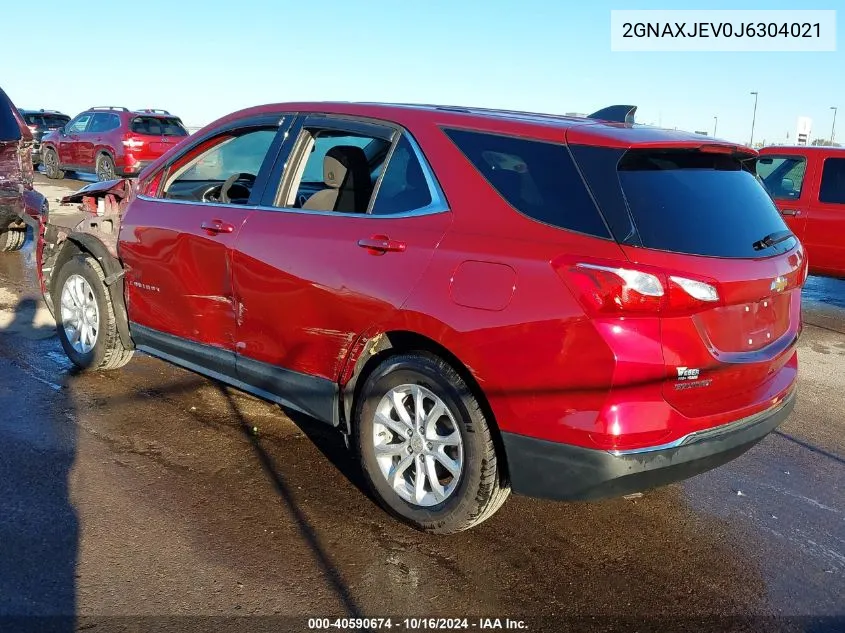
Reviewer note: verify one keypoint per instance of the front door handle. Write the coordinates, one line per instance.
(217, 226)
(794, 212)
(380, 244)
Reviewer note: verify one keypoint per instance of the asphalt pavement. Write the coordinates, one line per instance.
(151, 498)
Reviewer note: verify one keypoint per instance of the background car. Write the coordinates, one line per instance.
(19, 202)
(110, 141)
(40, 122)
(807, 183)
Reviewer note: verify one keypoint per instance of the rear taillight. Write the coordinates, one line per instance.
(132, 142)
(607, 289)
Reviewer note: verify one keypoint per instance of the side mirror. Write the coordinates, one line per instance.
(787, 184)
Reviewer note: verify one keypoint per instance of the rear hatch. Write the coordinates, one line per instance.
(150, 136)
(43, 122)
(699, 220)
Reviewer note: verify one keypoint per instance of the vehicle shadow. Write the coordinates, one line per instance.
(39, 528)
(329, 441)
(302, 523)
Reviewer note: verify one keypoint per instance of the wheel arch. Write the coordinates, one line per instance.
(371, 353)
(85, 243)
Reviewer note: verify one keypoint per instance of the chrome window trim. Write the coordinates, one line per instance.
(427, 210)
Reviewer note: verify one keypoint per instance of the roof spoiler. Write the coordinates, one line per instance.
(616, 114)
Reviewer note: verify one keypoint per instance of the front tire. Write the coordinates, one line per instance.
(85, 318)
(105, 167)
(12, 240)
(51, 165)
(426, 447)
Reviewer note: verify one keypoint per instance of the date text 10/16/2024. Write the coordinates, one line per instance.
(415, 624)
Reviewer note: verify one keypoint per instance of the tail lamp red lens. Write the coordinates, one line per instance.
(618, 290)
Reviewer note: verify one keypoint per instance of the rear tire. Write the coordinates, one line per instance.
(85, 319)
(105, 168)
(12, 240)
(51, 165)
(394, 453)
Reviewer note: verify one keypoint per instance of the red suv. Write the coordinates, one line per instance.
(481, 301)
(110, 141)
(808, 186)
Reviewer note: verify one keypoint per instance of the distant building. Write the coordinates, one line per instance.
(805, 126)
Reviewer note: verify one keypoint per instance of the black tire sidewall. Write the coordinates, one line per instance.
(423, 371)
(82, 266)
(53, 171)
(102, 158)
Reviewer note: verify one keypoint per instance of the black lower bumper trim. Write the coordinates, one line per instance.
(550, 470)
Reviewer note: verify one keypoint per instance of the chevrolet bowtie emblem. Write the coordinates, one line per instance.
(779, 284)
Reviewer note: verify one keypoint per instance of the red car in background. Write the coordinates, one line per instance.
(808, 186)
(110, 141)
(20, 204)
(480, 300)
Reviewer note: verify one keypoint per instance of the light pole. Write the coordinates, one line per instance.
(715, 124)
(753, 119)
(833, 127)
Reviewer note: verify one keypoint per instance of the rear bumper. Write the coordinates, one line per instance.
(539, 468)
(129, 171)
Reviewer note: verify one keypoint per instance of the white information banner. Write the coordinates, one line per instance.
(723, 30)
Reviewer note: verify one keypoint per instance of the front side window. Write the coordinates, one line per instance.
(221, 170)
(833, 181)
(79, 124)
(783, 176)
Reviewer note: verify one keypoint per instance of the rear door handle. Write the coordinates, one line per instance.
(217, 226)
(378, 244)
(790, 212)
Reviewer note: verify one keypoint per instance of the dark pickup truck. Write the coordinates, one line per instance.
(20, 204)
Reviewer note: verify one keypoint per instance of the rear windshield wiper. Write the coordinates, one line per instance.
(771, 239)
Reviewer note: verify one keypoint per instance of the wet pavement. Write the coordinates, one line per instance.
(152, 491)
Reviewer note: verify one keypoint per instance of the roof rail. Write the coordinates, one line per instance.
(154, 111)
(615, 114)
(118, 108)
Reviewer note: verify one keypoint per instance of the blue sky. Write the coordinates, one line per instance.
(547, 55)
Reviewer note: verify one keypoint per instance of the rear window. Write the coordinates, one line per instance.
(158, 126)
(55, 121)
(10, 129)
(48, 121)
(537, 178)
(698, 203)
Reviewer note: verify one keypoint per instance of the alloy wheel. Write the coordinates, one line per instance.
(80, 314)
(418, 445)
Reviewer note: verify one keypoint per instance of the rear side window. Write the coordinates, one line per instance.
(783, 176)
(103, 122)
(403, 187)
(538, 179)
(833, 181)
(698, 203)
(157, 126)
